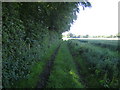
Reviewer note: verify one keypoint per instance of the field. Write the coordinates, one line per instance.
(110, 44)
(78, 64)
(99, 63)
(34, 55)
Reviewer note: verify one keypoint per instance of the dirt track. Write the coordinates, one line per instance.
(44, 76)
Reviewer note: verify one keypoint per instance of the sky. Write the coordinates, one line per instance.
(100, 19)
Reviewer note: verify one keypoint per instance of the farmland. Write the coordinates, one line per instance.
(35, 56)
(77, 64)
(98, 64)
(110, 44)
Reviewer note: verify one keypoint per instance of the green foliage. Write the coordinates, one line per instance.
(21, 52)
(55, 16)
(29, 31)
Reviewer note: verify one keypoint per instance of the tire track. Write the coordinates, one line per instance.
(44, 76)
(78, 68)
(81, 77)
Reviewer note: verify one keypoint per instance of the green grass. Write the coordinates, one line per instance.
(36, 70)
(110, 44)
(90, 79)
(98, 65)
(64, 74)
(31, 81)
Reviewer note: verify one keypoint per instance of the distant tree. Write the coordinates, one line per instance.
(79, 36)
(103, 36)
(99, 36)
(118, 35)
(87, 36)
(74, 36)
(111, 36)
(69, 35)
(114, 36)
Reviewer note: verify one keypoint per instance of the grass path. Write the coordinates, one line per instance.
(44, 76)
(37, 69)
(64, 73)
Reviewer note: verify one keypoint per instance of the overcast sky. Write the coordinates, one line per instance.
(101, 19)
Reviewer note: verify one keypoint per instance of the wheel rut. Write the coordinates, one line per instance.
(82, 78)
(79, 70)
(44, 76)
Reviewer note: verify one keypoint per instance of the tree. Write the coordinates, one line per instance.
(29, 29)
(69, 35)
(118, 35)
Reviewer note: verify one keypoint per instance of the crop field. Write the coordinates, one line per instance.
(99, 61)
(76, 64)
(111, 44)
